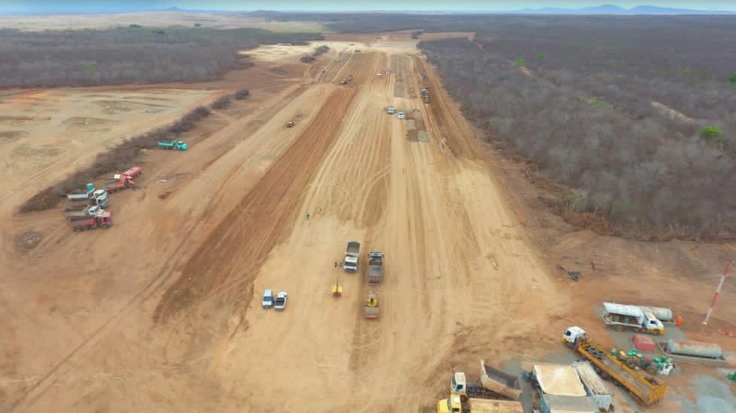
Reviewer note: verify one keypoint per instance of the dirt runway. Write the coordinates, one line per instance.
(162, 312)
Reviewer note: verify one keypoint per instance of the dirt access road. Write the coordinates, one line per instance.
(162, 312)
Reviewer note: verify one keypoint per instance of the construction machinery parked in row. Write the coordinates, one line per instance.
(641, 386)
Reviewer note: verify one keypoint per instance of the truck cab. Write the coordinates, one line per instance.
(653, 325)
(459, 385)
(452, 404)
(100, 198)
(573, 335)
(350, 264)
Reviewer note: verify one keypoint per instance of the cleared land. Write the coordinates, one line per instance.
(162, 312)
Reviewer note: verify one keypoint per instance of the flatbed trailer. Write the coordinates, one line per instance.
(647, 390)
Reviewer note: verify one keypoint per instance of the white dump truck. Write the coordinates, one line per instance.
(352, 257)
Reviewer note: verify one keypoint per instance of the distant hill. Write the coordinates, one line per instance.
(612, 9)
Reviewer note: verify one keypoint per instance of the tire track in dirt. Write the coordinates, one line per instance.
(268, 206)
(441, 111)
(43, 382)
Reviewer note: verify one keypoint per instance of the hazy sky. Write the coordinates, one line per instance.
(20, 6)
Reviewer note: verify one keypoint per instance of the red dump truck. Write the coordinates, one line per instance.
(119, 182)
(81, 223)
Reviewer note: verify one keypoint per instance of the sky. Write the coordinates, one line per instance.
(36, 6)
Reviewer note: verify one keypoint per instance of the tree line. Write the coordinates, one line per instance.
(127, 55)
(650, 174)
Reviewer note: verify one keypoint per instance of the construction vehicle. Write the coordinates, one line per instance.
(133, 172)
(632, 317)
(479, 400)
(90, 195)
(352, 257)
(636, 360)
(375, 268)
(173, 144)
(344, 82)
(290, 124)
(119, 182)
(642, 387)
(493, 380)
(103, 220)
(372, 310)
(425, 95)
(507, 385)
(390, 110)
(86, 211)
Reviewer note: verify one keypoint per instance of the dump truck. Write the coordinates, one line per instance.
(390, 110)
(479, 400)
(501, 384)
(352, 257)
(644, 388)
(375, 268)
(507, 385)
(81, 195)
(425, 95)
(87, 211)
(119, 182)
(133, 172)
(631, 317)
(173, 144)
(103, 220)
(91, 196)
(372, 310)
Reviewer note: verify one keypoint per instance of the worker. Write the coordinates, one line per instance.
(678, 320)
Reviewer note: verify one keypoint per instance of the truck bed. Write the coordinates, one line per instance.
(626, 376)
(495, 406)
(499, 382)
(75, 218)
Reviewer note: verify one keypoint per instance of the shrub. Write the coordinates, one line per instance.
(222, 102)
(242, 94)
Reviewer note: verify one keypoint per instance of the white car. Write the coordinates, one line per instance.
(401, 115)
(280, 301)
(267, 298)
